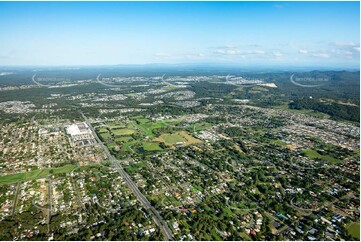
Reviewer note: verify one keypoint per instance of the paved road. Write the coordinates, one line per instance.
(143, 200)
(105, 84)
(16, 198)
(80, 205)
(303, 85)
(38, 83)
(49, 197)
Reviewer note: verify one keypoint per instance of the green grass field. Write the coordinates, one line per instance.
(35, 174)
(147, 126)
(170, 139)
(180, 136)
(114, 125)
(245, 236)
(173, 138)
(198, 126)
(102, 130)
(354, 230)
(110, 145)
(135, 167)
(144, 125)
(313, 154)
(121, 132)
(196, 188)
(215, 235)
(141, 126)
(151, 146)
(278, 142)
(123, 139)
(129, 146)
(142, 120)
(105, 135)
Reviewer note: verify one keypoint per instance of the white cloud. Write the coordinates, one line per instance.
(342, 52)
(346, 48)
(279, 6)
(226, 50)
(315, 53)
(161, 54)
(322, 55)
(277, 54)
(198, 56)
(345, 44)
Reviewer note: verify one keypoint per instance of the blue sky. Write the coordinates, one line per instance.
(245, 33)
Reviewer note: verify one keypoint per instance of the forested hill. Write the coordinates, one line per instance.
(335, 110)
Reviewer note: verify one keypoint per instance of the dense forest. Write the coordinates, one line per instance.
(335, 110)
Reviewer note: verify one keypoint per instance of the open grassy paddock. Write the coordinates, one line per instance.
(151, 146)
(123, 139)
(143, 127)
(105, 135)
(102, 130)
(198, 126)
(174, 138)
(313, 154)
(35, 174)
(354, 229)
(121, 132)
(147, 126)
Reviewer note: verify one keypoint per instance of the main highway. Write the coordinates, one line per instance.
(143, 200)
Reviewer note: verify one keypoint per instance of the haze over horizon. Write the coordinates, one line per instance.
(232, 33)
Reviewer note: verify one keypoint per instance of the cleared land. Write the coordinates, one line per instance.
(121, 132)
(120, 135)
(147, 126)
(303, 111)
(123, 139)
(105, 135)
(174, 138)
(102, 130)
(115, 125)
(198, 126)
(313, 154)
(354, 230)
(151, 146)
(36, 174)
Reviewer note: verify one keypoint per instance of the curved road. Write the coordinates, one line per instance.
(303, 85)
(38, 83)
